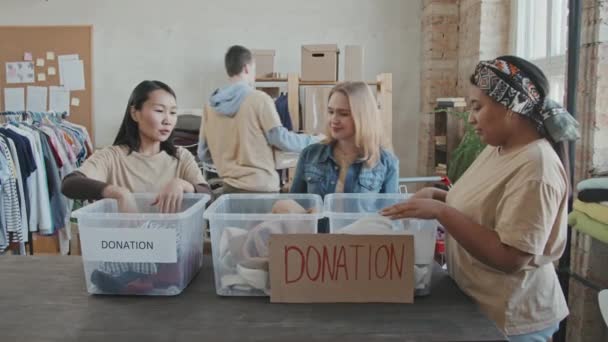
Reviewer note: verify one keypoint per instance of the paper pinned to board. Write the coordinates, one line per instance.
(40, 62)
(20, 72)
(36, 99)
(52, 71)
(61, 59)
(75, 101)
(73, 75)
(59, 99)
(41, 77)
(50, 55)
(27, 56)
(14, 99)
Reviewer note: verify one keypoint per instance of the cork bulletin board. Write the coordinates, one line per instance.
(19, 43)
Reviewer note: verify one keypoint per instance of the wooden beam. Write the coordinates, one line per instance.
(385, 100)
(293, 99)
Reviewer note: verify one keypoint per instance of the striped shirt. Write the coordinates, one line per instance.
(11, 211)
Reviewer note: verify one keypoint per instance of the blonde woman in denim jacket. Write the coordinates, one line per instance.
(353, 157)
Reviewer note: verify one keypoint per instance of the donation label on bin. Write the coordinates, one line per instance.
(129, 245)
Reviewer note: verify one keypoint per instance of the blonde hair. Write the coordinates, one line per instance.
(368, 126)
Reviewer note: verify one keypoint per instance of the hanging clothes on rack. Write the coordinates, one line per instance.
(38, 150)
(10, 211)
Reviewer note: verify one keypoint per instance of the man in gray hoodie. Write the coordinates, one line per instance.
(240, 128)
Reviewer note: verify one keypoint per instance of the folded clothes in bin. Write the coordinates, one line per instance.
(244, 254)
(167, 277)
(140, 278)
(380, 225)
(241, 226)
(143, 253)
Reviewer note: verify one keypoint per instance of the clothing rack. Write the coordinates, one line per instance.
(38, 149)
(25, 113)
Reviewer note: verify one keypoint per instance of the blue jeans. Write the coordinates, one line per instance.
(537, 336)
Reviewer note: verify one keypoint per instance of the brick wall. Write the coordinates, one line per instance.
(484, 28)
(588, 258)
(588, 266)
(438, 78)
(456, 35)
(592, 105)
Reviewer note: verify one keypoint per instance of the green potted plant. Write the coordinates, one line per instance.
(465, 153)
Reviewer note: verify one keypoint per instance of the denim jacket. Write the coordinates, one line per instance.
(317, 173)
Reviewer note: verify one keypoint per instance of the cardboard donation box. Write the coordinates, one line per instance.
(341, 268)
(264, 63)
(320, 62)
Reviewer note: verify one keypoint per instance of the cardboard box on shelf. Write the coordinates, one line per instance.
(320, 62)
(264, 62)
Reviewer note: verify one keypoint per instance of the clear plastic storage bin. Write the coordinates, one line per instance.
(241, 225)
(359, 214)
(143, 253)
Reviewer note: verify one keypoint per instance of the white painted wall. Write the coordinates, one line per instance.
(182, 42)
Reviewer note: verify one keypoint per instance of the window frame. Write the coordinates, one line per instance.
(554, 66)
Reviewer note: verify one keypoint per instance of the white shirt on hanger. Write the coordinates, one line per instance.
(45, 221)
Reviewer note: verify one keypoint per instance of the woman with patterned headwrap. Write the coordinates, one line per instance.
(507, 215)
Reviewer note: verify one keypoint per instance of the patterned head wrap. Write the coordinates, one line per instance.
(506, 84)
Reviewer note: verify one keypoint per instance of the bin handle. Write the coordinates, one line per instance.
(442, 179)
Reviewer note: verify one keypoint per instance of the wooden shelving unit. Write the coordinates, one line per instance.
(448, 131)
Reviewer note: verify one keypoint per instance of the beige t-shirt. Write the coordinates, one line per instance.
(140, 173)
(522, 195)
(238, 144)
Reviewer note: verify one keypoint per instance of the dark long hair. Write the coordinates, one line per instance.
(536, 75)
(128, 134)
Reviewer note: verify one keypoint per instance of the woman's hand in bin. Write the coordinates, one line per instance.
(124, 197)
(127, 204)
(430, 193)
(420, 208)
(169, 200)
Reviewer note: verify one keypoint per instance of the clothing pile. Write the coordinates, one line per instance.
(244, 253)
(36, 151)
(590, 214)
(379, 225)
(129, 278)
